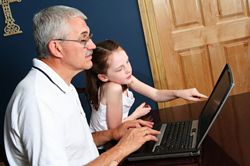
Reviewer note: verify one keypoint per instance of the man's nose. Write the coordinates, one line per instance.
(91, 45)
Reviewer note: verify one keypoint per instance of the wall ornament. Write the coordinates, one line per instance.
(11, 28)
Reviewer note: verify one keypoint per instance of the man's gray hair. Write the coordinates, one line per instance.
(51, 23)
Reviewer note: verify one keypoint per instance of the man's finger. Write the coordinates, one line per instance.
(146, 123)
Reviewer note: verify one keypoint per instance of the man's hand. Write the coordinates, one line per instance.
(131, 135)
(135, 138)
(126, 126)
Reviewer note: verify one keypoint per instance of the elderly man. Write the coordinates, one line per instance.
(45, 123)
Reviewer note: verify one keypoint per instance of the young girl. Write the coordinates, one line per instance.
(108, 83)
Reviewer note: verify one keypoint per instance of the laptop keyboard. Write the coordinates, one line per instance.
(174, 136)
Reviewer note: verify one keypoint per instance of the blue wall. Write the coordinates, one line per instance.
(109, 19)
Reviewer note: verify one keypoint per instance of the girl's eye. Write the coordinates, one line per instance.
(120, 69)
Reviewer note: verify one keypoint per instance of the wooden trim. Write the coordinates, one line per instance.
(153, 45)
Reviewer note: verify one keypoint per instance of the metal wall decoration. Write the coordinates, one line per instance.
(11, 28)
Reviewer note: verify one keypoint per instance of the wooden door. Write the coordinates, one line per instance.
(189, 42)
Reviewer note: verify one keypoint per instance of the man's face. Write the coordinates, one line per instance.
(76, 55)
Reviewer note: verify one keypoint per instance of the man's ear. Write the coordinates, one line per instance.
(103, 77)
(55, 48)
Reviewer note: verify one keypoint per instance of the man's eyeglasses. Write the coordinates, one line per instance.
(82, 42)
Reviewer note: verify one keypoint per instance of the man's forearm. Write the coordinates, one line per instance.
(102, 137)
(111, 157)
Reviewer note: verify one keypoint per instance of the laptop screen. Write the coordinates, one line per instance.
(215, 102)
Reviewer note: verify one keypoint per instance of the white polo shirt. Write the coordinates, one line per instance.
(45, 123)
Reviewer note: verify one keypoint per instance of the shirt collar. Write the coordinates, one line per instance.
(52, 75)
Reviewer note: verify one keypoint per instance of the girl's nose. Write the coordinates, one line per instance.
(127, 70)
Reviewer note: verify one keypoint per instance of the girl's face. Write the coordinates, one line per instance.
(120, 70)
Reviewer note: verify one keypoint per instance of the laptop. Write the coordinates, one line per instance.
(184, 139)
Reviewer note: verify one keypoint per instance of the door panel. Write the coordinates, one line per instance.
(189, 43)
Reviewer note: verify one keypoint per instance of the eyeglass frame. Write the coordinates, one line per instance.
(82, 42)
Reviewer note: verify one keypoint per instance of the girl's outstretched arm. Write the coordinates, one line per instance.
(165, 95)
